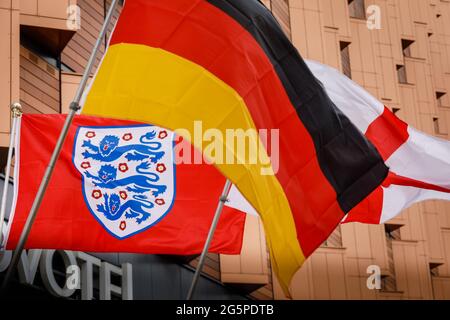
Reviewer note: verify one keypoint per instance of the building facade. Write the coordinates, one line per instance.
(399, 50)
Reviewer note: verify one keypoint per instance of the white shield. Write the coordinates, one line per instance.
(128, 175)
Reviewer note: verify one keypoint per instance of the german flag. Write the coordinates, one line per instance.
(229, 64)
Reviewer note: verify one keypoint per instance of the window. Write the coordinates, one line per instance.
(406, 47)
(357, 9)
(345, 59)
(434, 269)
(439, 96)
(392, 231)
(437, 128)
(401, 73)
(388, 282)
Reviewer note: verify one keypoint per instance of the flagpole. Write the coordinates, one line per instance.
(16, 113)
(223, 199)
(74, 108)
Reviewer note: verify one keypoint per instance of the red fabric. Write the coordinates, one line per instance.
(368, 211)
(64, 221)
(213, 46)
(394, 179)
(387, 133)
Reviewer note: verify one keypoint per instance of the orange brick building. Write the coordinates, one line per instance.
(399, 50)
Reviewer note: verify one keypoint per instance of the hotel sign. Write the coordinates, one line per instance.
(82, 272)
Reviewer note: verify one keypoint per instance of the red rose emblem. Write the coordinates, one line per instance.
(123, 167)
(127, 137)
(160, 202)
(163, 134)
(161, 168)
(123, 225)
(86, 165)
(97, 194)
(123, 195)
(90, 134)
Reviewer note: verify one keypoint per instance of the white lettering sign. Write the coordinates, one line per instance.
(79, 268)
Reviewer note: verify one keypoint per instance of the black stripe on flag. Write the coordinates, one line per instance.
(349, 161)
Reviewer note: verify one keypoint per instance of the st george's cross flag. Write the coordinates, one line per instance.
(118, 186)
(419, 164)
(228, 64)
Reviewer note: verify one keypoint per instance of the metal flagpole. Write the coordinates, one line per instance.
(74, 108)
(223, 199)
(16, 113)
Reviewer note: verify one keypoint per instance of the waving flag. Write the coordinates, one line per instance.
(419, 164)
(228, 64)
(117, 187)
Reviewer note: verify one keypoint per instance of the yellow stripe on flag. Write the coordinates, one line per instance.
(141, 83)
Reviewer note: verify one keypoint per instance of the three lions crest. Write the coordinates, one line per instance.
(128, 175)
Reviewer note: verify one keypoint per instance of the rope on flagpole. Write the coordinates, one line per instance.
(16, 114)
(223, 199)
(74, 108)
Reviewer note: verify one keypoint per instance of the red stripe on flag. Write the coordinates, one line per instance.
(387, 133)
(394, 179)
(370, 210)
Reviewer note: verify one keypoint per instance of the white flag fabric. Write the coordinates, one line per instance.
(419, 163)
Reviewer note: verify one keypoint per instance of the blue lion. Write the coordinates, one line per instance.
(113, 209)
(108, 150)
(107, 178)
